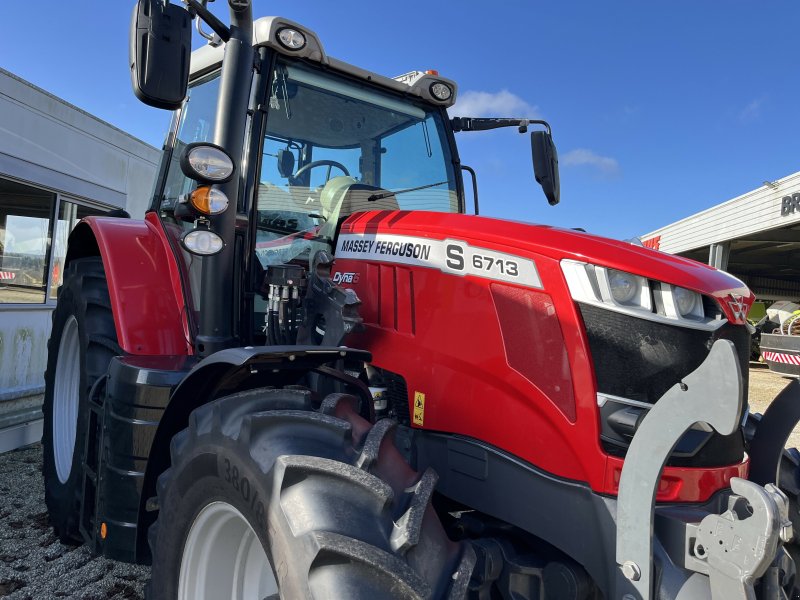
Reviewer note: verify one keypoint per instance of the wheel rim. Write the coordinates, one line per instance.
(66, 399)
(223, 558)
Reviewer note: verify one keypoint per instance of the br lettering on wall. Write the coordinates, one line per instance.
(790, 205)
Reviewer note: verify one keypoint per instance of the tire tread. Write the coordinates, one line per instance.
(328, 513)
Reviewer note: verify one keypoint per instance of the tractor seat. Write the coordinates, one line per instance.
(343, 196)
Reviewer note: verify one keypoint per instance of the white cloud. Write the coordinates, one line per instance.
(488, 104)
(752, 111)
(581, 157)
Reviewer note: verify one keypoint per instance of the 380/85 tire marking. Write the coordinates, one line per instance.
(243, 487)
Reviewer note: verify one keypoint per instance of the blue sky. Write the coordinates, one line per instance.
(659, 109)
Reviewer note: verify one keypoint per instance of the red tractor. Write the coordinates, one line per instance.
(308, 372)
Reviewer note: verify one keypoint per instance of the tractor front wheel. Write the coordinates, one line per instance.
(82, 342)
(269, 498)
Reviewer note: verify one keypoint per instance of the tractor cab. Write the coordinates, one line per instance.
(320, 141)
(321, 145)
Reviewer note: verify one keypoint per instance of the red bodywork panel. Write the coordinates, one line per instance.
(504, 362)
(143, 284)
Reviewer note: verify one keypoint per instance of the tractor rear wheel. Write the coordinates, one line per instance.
(82, 342)
(267, 498)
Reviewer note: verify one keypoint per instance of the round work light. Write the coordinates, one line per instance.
(206, 163)
(202, 242)
(291, 39)
(441, 91)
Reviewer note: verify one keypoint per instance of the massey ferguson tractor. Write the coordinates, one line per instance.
(312, 372)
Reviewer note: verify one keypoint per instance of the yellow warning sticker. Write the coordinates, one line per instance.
(419, 408)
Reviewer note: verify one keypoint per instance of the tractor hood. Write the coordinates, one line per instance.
(527, 239)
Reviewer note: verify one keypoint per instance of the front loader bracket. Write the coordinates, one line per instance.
(712, 394)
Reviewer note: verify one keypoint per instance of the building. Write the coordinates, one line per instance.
(57, 165)
(756, 237)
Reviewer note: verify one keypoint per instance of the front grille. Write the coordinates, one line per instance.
(641, 359)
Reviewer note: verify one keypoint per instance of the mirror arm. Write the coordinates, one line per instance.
(479, 124)
(196, 8)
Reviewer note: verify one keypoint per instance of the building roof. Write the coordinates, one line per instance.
(751, 213)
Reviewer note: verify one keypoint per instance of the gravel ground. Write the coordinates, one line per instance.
(35, 565)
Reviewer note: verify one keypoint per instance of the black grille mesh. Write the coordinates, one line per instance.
(641, 359)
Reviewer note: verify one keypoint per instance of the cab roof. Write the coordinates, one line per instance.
(265, 33)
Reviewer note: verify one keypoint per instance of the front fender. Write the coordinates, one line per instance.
(222, 373)
(143, 282)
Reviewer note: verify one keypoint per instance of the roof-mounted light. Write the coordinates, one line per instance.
(441, 91)
(291, 39)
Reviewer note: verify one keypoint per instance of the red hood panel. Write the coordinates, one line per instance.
(517, 238)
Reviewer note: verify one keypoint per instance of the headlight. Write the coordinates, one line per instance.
(624, 287)
(686, 301)
(641, 297)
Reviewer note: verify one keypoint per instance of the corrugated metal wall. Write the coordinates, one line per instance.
(753, 212)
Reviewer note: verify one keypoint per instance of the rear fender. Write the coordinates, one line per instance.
(143, 282)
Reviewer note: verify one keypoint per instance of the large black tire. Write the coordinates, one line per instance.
(336, 508)
(789, 482)
(83, 312)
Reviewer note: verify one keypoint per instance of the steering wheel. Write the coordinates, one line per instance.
(320, 163)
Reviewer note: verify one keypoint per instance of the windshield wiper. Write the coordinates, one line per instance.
(383, 195)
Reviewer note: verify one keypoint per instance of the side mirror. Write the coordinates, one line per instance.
(160, 47)
(545, 165)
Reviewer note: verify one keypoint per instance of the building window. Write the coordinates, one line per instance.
(25, 231)
(28, 238)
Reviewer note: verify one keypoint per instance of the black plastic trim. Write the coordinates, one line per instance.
(138, 390)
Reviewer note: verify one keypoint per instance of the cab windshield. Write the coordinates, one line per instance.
(333, 147)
